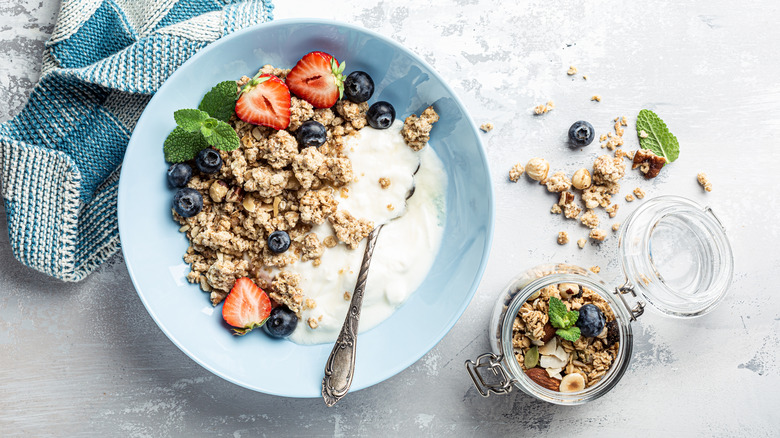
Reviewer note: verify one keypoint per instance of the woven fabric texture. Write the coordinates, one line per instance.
(60, 156)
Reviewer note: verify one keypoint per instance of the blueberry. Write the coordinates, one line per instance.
(591, 321)
(311, 133)
(381, 115)
(208, 161)
(281, 323)
(581, 133)
(279, 241)
(187, 202)
(179, 174)
(358, 87)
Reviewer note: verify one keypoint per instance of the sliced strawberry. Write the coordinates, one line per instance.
(265, 100)
(318, 79)
(246, 306)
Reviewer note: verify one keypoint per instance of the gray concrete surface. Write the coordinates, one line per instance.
(86, 359)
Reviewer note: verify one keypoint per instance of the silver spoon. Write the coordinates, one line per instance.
(340, 367)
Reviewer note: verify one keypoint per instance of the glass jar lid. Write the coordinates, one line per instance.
(676, 254)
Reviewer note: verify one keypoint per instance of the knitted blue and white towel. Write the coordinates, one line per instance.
(61, 155)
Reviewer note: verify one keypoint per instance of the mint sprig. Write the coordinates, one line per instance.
(659, 139)
(220, 101)
(563, 319)
(196, 131)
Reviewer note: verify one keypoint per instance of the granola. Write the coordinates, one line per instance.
(417, 130)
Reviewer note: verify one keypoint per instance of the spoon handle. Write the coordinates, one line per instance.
(340, 367)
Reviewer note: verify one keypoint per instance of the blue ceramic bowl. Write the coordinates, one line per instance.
(153, 247)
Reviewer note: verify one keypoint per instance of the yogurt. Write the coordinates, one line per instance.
(406, 247)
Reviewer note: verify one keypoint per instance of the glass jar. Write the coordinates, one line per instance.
(675, 255)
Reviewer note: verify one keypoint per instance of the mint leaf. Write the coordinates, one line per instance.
(220, 101)
(571, 317)
(659, 140)
(557, 313)
(220, 135)
(570, 334)
(182, 145)
(190, 119)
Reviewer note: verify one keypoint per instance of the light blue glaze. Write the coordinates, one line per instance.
(153, 247)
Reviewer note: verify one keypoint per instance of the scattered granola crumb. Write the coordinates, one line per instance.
(581, 243)
(589, 219)
(417, 130)
(310, 304)
(616, 226)
(639, 193)
(643, 134)
(347, 296)
(330, 241)
(556, 209)
(603, 137)
(390, 207)
(598, 235)
(613, 210)
(649, 163)
(486, 127)
(384, 182)
(316, 262)
(558, 182)
(572, 70)
(313, 323)
(516, 172)
(585, 77)
(704, 181)
(596, 97)
(544, 109)
(629, 197)
(595, 269)
(563, 238)
(570, 208)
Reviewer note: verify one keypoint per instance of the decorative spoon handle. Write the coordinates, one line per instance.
(340, 367)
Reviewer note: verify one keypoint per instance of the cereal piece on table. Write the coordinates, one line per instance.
(284, 290)
(612, 210)
(629, 198)
(596, 98)
(648, 163)
(616, 226)
(416, 131)
(556, 209)
(317, 205)
(589, 219)
(516, 172)
(607, 170)
(486, 127)
(544, 109)
(596, 196)
(572, 70)
(581, 243)
(563, 238)
(558, 182)
(595, 269)
(704, 181)
(598, 235)
(570, 208)
(350, 229)
(639, 193)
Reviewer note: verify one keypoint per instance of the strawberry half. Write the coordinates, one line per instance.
(318, 79)
(265, 100)
(246, 306)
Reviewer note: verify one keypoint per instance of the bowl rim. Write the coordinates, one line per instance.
(400, 365)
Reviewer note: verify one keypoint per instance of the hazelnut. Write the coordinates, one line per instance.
(218, 190)
(569, 290)
(537, 169)
(581, 179)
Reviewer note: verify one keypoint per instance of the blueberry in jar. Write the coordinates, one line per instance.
(279, 241)
(281, 323)
(358, 87)
(581, 133)
(591, 321)
(187, 202)
(381, 115)
(208, 161)
(179, 174)
(311, 133)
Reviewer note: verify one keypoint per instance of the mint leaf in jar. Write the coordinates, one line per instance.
(569, 334)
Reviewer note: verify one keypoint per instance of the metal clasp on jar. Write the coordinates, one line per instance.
(501, 383)
(638, 309)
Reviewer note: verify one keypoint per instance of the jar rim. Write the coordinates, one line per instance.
(587, 279)
(709, 249)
